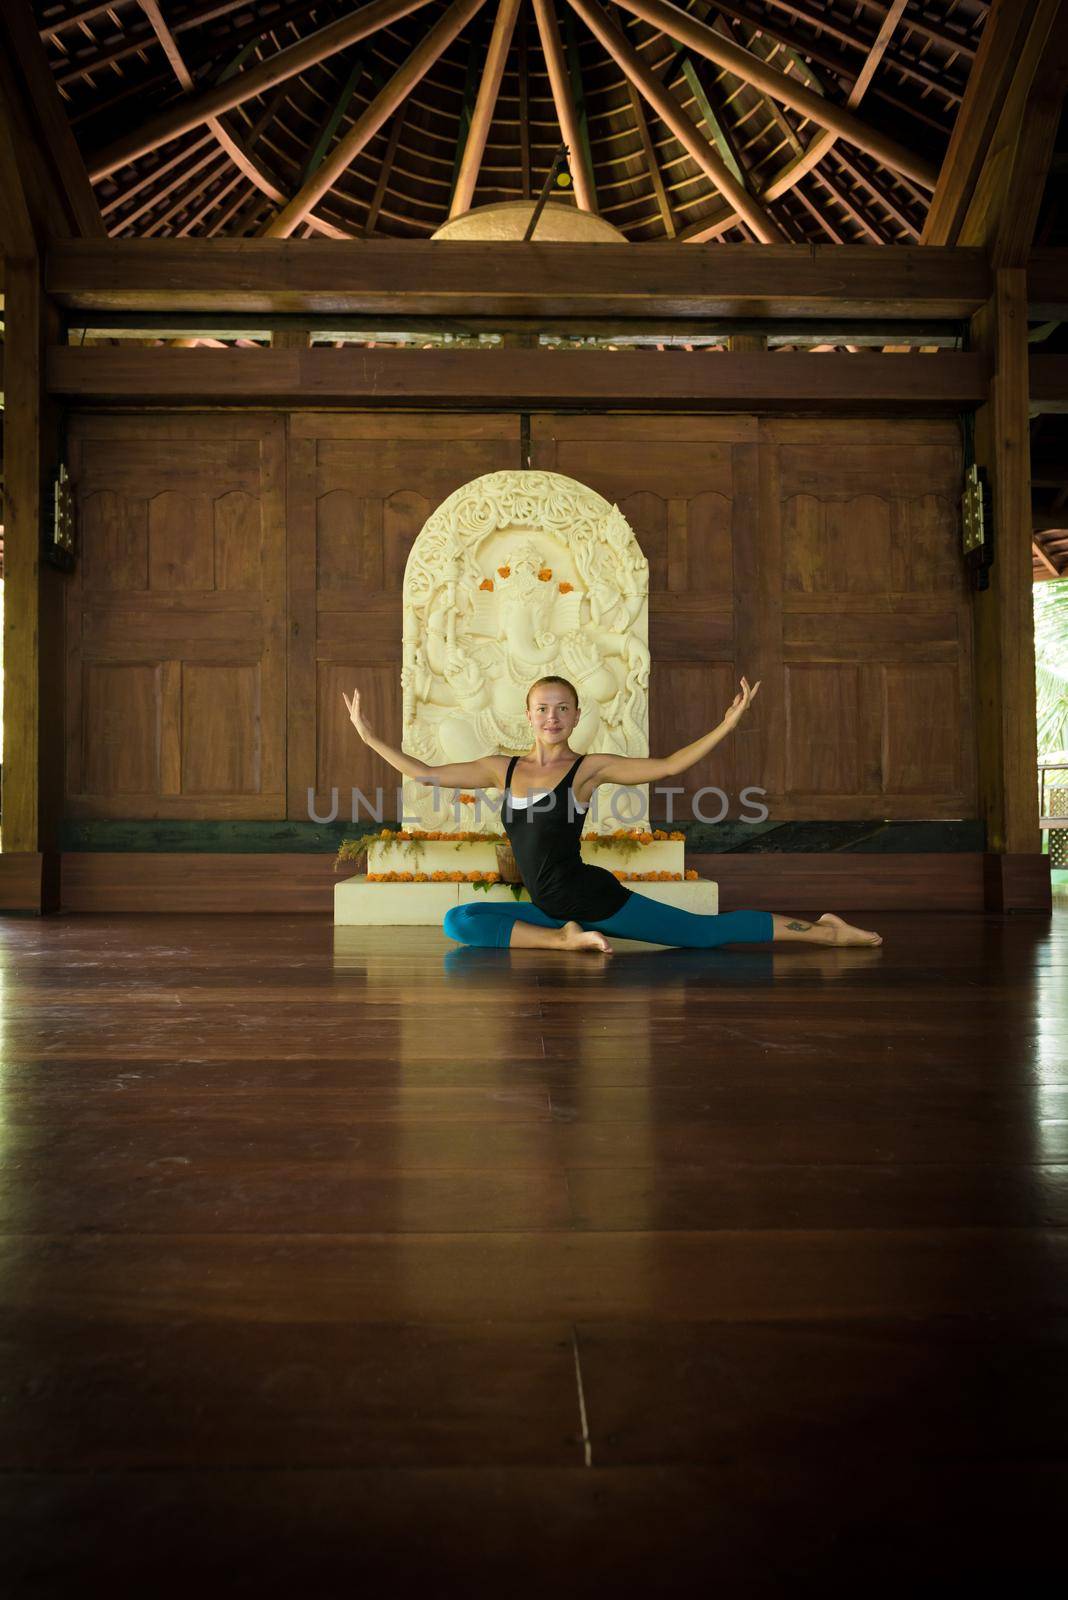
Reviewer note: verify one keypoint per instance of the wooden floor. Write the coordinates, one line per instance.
(337, 1259)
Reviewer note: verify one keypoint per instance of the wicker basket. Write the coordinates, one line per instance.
(506, 865)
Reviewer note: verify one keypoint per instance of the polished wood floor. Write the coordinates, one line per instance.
(337, 1258)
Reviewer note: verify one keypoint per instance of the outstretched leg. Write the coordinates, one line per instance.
(656, 923)
(502, 927)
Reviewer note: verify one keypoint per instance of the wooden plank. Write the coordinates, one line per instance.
(417, 277)
(543, 377)
(1004, 626)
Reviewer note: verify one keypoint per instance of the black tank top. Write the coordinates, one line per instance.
(544, 836)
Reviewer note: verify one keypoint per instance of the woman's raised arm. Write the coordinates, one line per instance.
(648, 769)
(484, 771)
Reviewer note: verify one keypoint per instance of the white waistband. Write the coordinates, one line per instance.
(521, 805)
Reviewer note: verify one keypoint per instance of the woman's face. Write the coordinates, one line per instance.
(552, 713)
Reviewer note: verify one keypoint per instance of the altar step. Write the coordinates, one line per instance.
(358, 903)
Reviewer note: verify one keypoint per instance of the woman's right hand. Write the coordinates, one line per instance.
(358, 722)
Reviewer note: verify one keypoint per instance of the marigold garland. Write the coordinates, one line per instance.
(690, 875)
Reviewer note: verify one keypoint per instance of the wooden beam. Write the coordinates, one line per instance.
(58, 149)
(1004, 626)
(578, 99)
(707, 42)
(944, 383)
(559, 81)
(672, 115)
(524, 106)
(1044, 560)
(488, 90)
(427, 278)
(879, 47)
(381, 108)
(242, 86)
(720, 137)
(1000, 47)
(385, 170)
(652, 163)
(333, 121)
(18, 235)
(1004, 207)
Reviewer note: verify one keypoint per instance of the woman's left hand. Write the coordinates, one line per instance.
(741, 702)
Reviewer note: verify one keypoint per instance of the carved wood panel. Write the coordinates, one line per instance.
(175, 618)
(820, 556)
(360, 488)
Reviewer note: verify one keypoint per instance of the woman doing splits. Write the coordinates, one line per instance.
(576, 906)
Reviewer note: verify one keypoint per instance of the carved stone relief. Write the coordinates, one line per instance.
(516, 576)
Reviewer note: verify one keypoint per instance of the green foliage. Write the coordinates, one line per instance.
(1051, 668)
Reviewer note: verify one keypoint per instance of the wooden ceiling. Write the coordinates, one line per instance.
(443, 105)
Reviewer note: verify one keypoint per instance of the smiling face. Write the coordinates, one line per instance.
(552, 712)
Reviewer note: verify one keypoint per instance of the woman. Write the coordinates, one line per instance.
(576, 906)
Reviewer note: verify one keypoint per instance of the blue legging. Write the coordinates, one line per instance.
(490, 924)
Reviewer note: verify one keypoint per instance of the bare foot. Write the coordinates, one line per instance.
(846, 934)
(575, 937)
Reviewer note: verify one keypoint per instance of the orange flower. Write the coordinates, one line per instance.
(504, 572)
(467, 799)
(565, 588)
(456, 877)
(372, 877)
(439, 876)
(487, 583)
(421, 877)
(620, 875)
(473, 877)
(691, 874)
(545, 574)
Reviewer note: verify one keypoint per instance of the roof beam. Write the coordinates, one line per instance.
(671, 113)
(488, 89)
(879, 47)
(988, 85)
(385, 171)
(947, 383)
(566, 115)
(524, 106)
(61, 178)
(242, 86)
(707, 42)
(424, 278)
(381, 108)
(1004, 205)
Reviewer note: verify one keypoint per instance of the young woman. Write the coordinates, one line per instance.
(576, 906)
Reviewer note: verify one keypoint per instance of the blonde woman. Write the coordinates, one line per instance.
(547, 792)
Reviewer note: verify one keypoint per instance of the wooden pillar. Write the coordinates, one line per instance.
(1004, 622)
(33, 610)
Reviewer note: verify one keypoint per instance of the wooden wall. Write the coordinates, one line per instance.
(238, 572)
